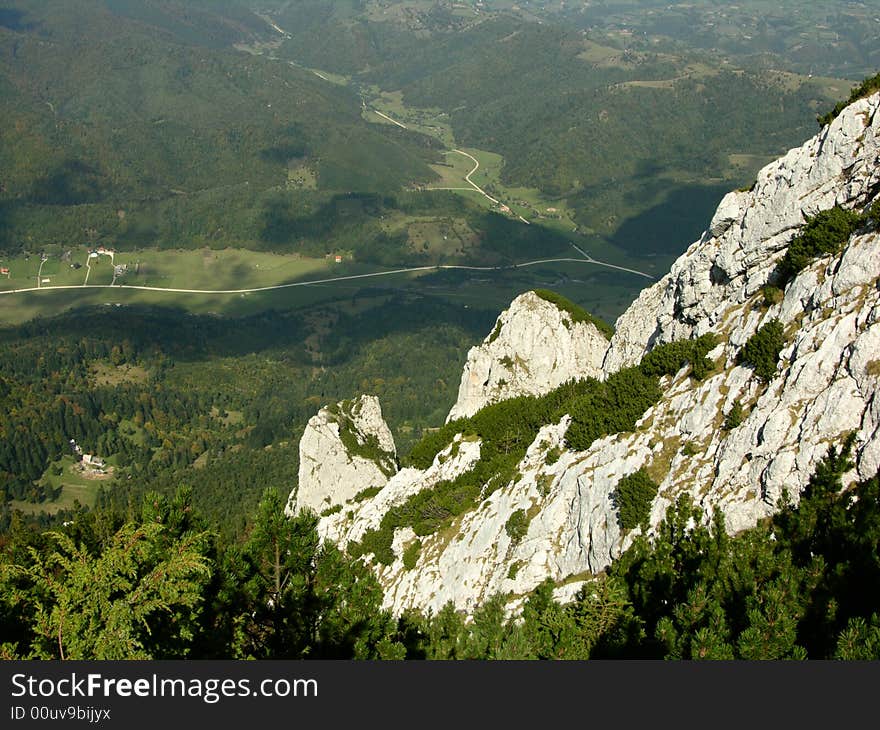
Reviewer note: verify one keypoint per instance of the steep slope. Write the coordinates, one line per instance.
(736, 256)
(534, 347)
(559, 514)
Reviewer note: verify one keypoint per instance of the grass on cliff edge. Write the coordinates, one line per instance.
(577, 314)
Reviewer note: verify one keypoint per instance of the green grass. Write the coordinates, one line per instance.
(577, 313)
(189, 269)
(431, 121)
(452, 172)
(603, 292)
(200, 269)
(74, 488)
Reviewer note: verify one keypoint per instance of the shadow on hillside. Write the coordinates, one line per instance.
(14, 20)
(71, 182)
(184, 336)
(671, 226)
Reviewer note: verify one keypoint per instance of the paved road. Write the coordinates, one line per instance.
(330, 280)
(474, 186)
(470, 182)
(591, 260)
(385, 116)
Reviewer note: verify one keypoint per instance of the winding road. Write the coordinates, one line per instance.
(474, 186)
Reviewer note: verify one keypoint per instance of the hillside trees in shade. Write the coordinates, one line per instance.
(179, 399)
(304, 599)
(137, 596)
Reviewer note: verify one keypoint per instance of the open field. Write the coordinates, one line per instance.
(74, 488)
(190, 269)
(430, 121)
(529, 203)
(104, 373)
(489, 289)
(452, 172)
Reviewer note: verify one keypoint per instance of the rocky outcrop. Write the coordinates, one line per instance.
(825, 387)
(534, 347)
(750, 231)
(344, 450)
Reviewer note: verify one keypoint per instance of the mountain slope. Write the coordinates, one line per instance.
(729, 439)
(639, 144)
(119, 115)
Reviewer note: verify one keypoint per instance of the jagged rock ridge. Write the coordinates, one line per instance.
(535, 347)
(825, 387)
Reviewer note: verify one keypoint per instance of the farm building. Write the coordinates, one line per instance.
(96, 462)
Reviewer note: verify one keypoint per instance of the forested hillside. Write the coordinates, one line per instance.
(169, 399)
(140, 124)
(640, 138)
(117, 129)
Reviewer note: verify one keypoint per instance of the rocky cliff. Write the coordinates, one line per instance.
(557, 514)
(536, 345)
(345, 449)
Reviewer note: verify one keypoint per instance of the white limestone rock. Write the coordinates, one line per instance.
(351, 523)
(825, 388)
(534, 348)
(329, 473)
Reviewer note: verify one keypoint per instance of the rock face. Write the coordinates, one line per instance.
(344, 450)
(825, 387)
(535, 347)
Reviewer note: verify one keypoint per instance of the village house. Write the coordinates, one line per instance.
(95, 462)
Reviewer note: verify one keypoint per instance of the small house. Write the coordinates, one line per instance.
(96, 462)
(338, 259)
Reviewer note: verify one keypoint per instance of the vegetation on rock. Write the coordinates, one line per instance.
(761, 351)
(865, 88)
(577, 314)
(824, 233)
(634, 495)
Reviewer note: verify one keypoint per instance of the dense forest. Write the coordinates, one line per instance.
(113, 124)
(169, 399)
